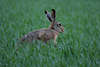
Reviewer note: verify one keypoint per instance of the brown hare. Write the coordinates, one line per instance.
(48, 33)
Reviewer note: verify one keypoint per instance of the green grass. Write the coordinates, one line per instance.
(78, 46)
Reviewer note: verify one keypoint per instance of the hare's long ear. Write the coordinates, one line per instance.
(48, 16)
(53, 14)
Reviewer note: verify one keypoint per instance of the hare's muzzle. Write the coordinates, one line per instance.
(62, 29)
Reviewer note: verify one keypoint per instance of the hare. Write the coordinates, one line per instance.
(48, 33)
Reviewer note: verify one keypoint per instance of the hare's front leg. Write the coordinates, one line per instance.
(55, 40)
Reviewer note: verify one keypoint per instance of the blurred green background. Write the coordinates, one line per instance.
(78, 46)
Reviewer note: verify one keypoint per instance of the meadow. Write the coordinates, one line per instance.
(78, 45)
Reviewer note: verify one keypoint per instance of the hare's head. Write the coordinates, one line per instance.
(54, 24)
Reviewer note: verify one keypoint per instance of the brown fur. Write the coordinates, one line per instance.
(45, 34)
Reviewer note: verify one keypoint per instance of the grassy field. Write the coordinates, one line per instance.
(78, 46)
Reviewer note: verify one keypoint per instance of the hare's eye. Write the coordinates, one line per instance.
(58, 25)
